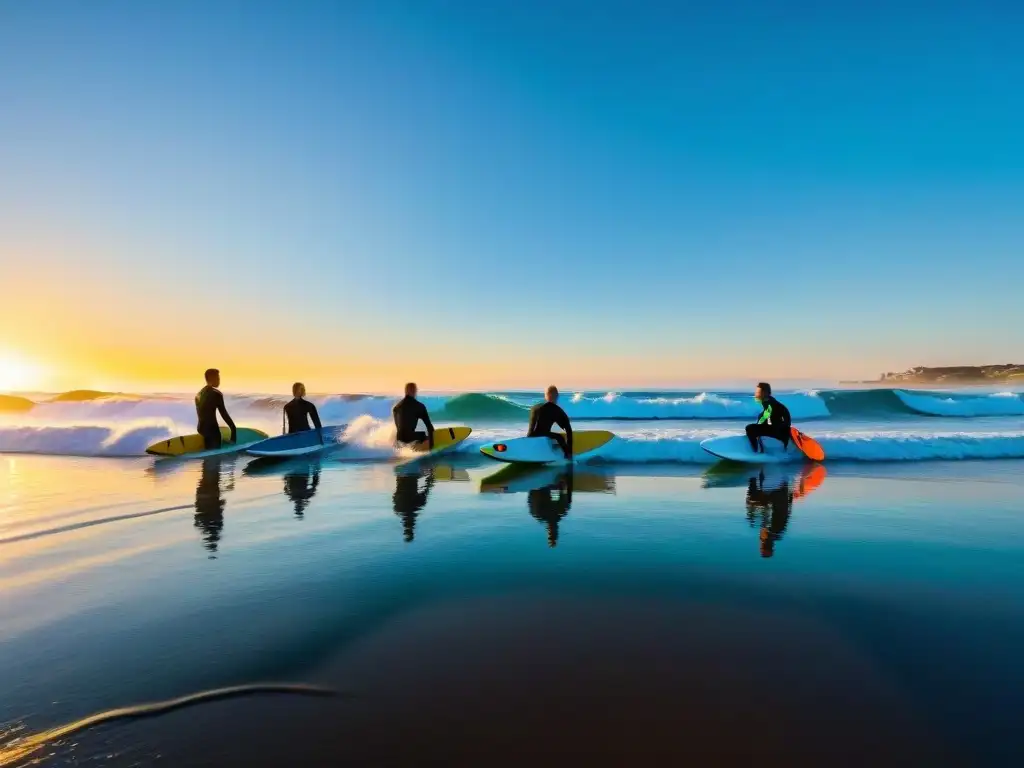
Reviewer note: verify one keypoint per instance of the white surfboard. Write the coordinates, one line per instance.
(737, 448)
(545, 450)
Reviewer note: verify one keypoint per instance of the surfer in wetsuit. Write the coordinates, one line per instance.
(774, 420)
(299, 411)
(544, 416)
(408, 412)
(209, 402)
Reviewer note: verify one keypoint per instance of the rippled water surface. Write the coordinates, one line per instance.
(471, 614)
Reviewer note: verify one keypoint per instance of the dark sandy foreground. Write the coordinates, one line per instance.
(500, 681)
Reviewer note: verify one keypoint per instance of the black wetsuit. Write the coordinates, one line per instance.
(299, 412)
(209, 402)
(543, 417)
(408, 412)
(774, 421)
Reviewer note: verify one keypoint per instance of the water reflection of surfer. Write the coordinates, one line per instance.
(549, 507)
(409, 499)
(209, 518)
(771, 507)
(300, 486)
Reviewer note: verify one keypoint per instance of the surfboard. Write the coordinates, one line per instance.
(808, 445)
(544, 450)
(193, 447)
(299, 443)
(737, 448)
(445, 439)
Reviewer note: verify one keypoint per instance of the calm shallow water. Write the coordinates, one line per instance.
(655, 613)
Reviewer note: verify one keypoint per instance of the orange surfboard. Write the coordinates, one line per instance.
(809, 481)
(808, 445)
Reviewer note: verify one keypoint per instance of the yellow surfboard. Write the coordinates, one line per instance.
(445, 439)
(184, 445)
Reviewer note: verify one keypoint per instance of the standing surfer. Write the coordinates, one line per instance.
(299, 411)
(544, 416)
(774, 420)
(209, 402)
(408, 412)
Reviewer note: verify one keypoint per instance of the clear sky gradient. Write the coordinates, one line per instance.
(507, 193)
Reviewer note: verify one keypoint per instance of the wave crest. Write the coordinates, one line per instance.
(965, 406)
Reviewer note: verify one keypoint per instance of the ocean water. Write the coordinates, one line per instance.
(877, 425)
(650, 607)
(468, 613)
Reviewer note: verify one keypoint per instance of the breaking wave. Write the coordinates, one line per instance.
(103, 424)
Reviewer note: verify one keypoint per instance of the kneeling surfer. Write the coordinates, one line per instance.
(774, 420)
(408, 412)
(299, 411)
(210, 402)
(544, 416)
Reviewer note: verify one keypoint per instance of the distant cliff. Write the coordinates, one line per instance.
(958, 374)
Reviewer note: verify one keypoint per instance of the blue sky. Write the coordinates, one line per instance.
(592, 193)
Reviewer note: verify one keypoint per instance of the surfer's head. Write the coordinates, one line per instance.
(213, 377)
(764, 389)
(411, 389)
(552, 394)
(298, 389)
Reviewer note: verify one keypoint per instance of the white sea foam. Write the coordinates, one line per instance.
(125, 426)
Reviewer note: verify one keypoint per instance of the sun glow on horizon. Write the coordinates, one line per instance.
(19, 374)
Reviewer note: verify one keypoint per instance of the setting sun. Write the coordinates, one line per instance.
(17, 373)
